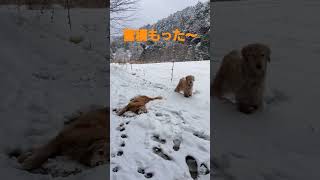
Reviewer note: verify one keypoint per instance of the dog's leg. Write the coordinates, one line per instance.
(245, 108)
(261, 103)
(97, 154)
(178, 88)
(38, 156)
(217, 86)
(122, 111)
(143, 109)
(24, 156)
(186, 94)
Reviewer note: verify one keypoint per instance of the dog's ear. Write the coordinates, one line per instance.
(253, 49)
(245, 52)
(191, 77)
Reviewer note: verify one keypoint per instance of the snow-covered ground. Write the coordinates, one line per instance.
(281, 142)
(173, 118)
(44, 78)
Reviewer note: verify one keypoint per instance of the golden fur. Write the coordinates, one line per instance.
(137, 105)
(243, 74)
(185, 85)
(85, 139)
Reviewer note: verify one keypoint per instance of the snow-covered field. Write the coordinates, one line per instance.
(44, 78)
(175, 118)
(281, 142)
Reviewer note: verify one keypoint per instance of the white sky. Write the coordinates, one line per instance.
(150, 11)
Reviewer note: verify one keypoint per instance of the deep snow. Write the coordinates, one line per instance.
(44, 78)
(282, 141)
(174, 117)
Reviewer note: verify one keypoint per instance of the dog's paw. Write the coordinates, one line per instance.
(30, 163)
(24, 156)
(247, 109)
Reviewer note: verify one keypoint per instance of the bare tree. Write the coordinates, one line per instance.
(122, 11)
(121, 6)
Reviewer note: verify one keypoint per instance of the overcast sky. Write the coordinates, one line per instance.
(153, 10)
(150, 11)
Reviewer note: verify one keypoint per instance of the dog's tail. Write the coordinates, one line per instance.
(158, 97)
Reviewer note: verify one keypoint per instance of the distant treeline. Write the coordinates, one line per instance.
(72, 3)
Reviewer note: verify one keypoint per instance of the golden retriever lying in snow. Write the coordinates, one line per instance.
(137, 105)
(85, 139)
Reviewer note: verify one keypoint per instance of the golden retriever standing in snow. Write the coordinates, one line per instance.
(243, 74)
(185, 85)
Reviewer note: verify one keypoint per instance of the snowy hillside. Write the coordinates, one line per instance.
(173, 120)
(194, 19)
